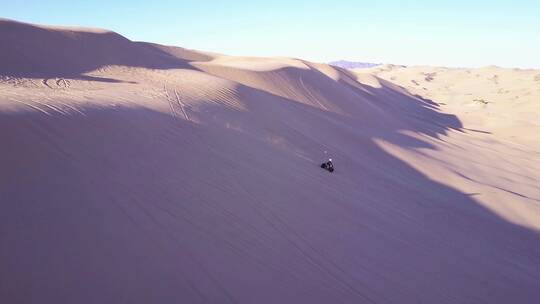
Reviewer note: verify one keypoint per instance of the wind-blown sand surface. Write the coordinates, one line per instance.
(503, 101)
(141, 173)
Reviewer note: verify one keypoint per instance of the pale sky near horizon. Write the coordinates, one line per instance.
(459, 33)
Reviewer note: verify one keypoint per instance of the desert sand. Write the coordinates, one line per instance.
(139, 173)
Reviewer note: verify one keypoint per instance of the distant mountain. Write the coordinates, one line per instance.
(353, 65)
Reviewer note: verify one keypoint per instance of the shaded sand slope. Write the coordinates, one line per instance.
(30, 50)
(201, 185)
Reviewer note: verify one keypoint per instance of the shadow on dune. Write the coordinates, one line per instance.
(30, 51)
(133, 205)
(382, 111)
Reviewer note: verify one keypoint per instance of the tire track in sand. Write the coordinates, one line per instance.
(176, 102)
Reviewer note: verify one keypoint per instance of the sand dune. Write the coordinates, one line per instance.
(140, 173)
(30, 51)
(503, 101)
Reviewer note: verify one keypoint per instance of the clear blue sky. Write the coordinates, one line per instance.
(450, 33)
